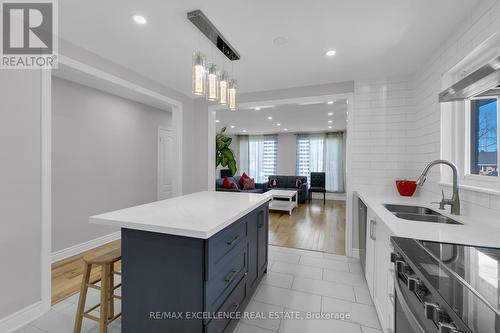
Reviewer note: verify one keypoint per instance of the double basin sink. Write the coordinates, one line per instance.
(421, 214)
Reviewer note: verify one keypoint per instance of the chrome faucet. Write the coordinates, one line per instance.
(454, 202)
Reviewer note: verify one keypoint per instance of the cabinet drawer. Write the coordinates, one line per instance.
(224, 242)
(230, 306)
(232, 269)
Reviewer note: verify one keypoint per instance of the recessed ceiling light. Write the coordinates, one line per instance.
(331, 53)
(139, 19)
(285, 129)
(217, 120)
(257, 109)
(232, 126)
(330, 113)
(270, 118)
(278, 124)
(330, 127)
(330, 102)
(330, 121)
(244, 131)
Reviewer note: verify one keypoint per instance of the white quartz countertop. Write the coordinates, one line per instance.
(197, 215)
(478, 231)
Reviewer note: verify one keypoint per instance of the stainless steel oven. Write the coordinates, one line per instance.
(446, 288)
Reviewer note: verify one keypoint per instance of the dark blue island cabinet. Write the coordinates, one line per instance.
(181, 284)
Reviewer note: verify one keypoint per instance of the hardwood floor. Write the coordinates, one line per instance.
(312, 226)
(67, 274)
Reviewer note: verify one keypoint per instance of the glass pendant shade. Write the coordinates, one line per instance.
(212, 83)
(199, 77)
(223, 82)
(231, 95)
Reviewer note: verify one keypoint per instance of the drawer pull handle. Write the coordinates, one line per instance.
(261, 219)
(230, 276)
(232, 241)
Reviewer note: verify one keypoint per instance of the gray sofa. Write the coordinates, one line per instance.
(288, 183)
(259, 187)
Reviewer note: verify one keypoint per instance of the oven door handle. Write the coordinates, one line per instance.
(413, 321)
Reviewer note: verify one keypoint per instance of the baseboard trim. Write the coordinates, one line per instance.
(355, 253)
(82, 247)
(22, 317)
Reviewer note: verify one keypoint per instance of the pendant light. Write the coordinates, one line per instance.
(231, 94)
(223, 85)
(212, 83)
(199, 77)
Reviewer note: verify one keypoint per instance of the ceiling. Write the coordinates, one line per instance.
(293, 118)
(372, 38)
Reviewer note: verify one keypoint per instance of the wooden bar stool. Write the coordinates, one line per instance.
(107, 289)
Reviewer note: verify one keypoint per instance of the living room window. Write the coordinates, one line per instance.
(258, 156)
(322, 153)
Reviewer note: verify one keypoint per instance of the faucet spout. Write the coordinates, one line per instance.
(454, 202)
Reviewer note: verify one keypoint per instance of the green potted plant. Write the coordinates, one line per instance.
(224, 156)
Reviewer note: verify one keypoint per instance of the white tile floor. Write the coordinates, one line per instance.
(298, 281)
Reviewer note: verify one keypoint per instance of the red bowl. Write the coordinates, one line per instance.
(406, 188)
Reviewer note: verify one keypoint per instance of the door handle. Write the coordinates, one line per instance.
(230, 276)
(261, 219)
(373, 223)
(231, 242)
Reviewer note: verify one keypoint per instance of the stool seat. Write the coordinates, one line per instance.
(108, 257)
(106, 261)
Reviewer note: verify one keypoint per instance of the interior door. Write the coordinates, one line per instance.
(166, 164)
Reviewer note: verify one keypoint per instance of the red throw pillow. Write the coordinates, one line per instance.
(229, 184)
(242, 178)
(248, 184)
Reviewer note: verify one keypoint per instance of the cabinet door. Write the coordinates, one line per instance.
(370, 250)
(263, 238)
(252, 251)
(383, 266)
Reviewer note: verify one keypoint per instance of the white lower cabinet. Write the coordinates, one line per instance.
(379, 270)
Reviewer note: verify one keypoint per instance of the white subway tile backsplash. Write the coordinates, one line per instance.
(397, 124)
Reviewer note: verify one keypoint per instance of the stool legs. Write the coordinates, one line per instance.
(111, 292)
(83, 297)
(103, 327)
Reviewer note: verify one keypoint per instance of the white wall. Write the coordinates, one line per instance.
(425, 129)
(194, 166)
(379, 135)
(104, 157)
(20, 196)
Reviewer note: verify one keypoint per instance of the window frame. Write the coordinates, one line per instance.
(468, 177)
(456, 146)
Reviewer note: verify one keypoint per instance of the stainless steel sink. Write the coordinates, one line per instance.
(426, 218)
(417, 213)
(410, 209)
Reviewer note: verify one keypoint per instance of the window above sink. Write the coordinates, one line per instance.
(470, 128)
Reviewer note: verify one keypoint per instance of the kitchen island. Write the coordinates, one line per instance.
(190, 263)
